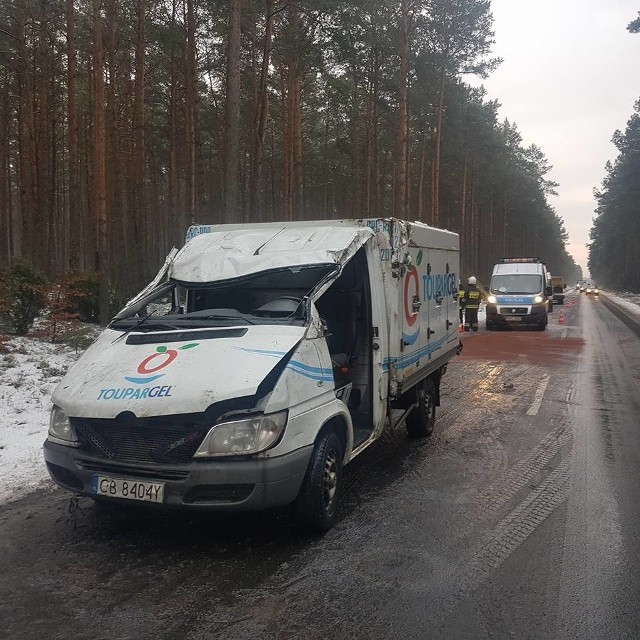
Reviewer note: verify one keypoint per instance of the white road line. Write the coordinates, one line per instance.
(537, 399)
(564, 333)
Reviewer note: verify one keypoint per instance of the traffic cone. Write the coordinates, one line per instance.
(561, 318)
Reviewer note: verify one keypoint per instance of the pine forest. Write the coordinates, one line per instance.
(124, 121)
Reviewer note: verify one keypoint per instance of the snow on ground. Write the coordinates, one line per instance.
(30, 369)
(628, 301)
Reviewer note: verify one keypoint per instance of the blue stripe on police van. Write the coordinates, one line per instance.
(515, 299)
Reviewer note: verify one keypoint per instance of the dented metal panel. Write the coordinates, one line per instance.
(233, 253)
(171, 377)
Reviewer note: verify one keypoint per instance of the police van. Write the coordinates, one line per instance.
(520, 293)
(261, 360)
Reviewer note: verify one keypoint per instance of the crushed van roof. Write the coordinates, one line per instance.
(228, 254)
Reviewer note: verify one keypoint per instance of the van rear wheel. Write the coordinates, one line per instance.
(317, 503)
(421, 420)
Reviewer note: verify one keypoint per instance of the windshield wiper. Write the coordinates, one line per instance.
(214, 316)
(132, 327)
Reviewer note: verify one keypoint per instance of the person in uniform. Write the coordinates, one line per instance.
(461, 294)
(472, 299)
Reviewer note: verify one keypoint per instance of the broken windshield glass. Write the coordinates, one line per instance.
(275, 297)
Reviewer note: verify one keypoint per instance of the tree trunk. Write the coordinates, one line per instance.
(100, 185)
(190, 107)
(377, 203)
(174, 220)
(261, 117)
(26, 139)
(464, 234)
(116, 180)
(355, 148)
(6, 231)
(435, 198)
(142, 235)
(73, 223)
(43, 228)
(298, 175)
(401, 192)
(232, 115)
(421, 177)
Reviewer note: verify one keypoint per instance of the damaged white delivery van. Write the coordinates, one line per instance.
(261, 359)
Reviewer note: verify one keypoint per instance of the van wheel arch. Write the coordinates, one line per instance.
(339, 425)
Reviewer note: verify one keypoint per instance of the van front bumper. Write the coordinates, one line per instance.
(516, 314)
(215, 485)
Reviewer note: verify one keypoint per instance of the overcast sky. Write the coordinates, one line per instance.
(570, 78)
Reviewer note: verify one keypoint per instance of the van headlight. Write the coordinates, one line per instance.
(538, 299)
(60, 429)
(243, 437)
(492, 299)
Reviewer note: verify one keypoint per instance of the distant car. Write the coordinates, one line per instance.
(592, 290)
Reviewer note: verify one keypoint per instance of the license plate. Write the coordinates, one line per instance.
(513, 319)
(127, 488)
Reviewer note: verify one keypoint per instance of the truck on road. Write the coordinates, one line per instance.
(558, 286)
(261, 360)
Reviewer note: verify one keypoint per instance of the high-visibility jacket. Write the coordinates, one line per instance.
(472, 297)
(461, 294)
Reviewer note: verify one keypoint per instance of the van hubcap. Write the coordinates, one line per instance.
(330, 477)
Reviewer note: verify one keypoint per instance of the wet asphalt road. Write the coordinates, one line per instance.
(518, 519)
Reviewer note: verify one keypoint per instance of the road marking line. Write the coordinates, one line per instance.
(564, 333)
(537, 399)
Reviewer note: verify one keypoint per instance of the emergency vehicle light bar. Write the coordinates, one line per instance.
(514, 260)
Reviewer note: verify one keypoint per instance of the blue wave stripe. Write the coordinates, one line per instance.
(264, 352)
(309, 369)
(322, 374)
(319, 378)
(143, 380)
(405, 361)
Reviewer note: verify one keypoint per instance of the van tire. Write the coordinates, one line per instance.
(421, 420)
(317, 503)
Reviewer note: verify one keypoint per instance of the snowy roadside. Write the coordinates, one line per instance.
(630, 302)
(30, 369)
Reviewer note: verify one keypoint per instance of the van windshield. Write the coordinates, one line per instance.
(275, 297)
(517, 283)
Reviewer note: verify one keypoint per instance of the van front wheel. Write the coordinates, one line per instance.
(421, 420)
(317, 502)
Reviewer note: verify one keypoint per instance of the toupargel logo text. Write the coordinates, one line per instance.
(147, 373)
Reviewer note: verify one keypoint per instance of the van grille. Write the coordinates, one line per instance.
(159, 443)
(514, 311)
